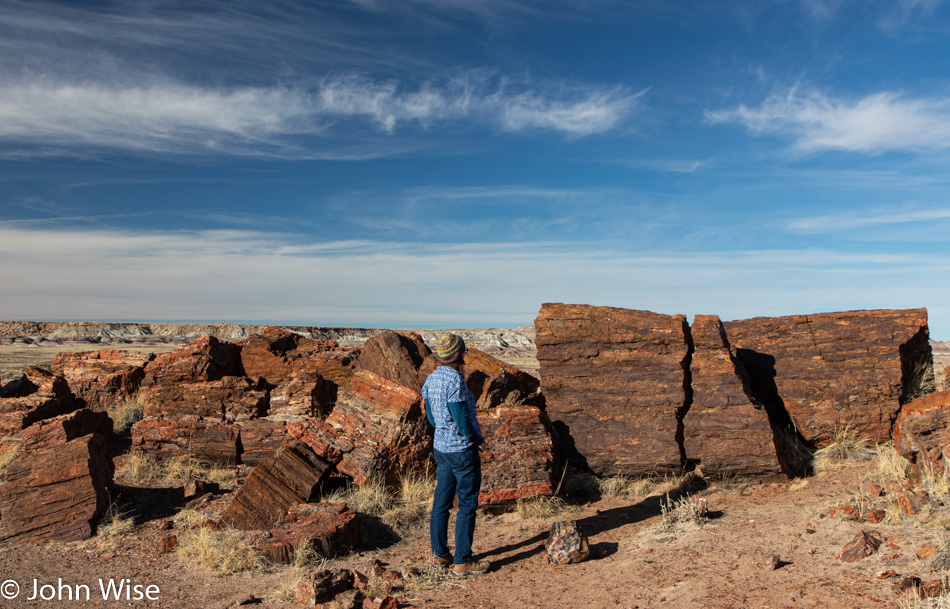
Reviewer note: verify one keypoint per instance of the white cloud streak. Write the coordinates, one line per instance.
(172, 117)
(876, 123)
(244, 275)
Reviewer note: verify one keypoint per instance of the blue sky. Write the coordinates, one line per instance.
(456, 163)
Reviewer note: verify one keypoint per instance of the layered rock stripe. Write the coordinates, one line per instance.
(640, 393)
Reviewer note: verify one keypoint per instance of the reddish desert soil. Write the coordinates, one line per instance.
(726, 562)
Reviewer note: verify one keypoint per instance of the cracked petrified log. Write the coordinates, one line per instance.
(215, 442)
(36, 395)
(327, 529)
(303, 394)
(229, 399)
(386, 426)
(102, 378)
(922, 432)
(832, 371)
(724, 430)
(293, 475)
(204, 359)
(614, 381)
(519, 455)
(56, 492)
(396, 357)
(275, 354)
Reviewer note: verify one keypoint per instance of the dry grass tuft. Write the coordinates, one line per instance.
(219, 552)
(113, 525)
(940, 602)
(429, 577)
(7, 455)
(891, 465)
(141, 468)
(124, 413)
(798, 484)
(188, 518)
(682, 510)
(401, 509)
(635, 488)
(846, 446)
(543, 507)
(922, 382)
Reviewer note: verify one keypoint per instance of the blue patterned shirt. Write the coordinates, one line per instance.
(444, 386)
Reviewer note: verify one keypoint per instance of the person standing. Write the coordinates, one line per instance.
(450, 408)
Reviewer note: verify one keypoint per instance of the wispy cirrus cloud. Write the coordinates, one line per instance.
(873, 124)
(850, 221)
(173, 117)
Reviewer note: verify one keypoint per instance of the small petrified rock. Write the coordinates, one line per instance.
(863, 545)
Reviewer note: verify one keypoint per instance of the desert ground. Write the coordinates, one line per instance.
(685, 542)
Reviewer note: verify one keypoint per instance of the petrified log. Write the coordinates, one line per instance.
(321, 437)
(56, 492)
(386, 425)
(291, 476)
(614, 383)
(328, 529)
(204, 359)
(922, 432)
(36, 395)
(260, 439)
(832, 371)
(215, 442)
(492, 382)
(275, 354)
(101, 378)
(63, 428)
(229, 399)
(303, 394)
(724, 430)
(518, 458)
(396, 357)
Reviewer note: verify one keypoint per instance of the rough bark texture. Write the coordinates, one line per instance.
(724, 431)
(303, 394)
(614, 381)
(291, 476)
(205, 359)
(385, 423)
(62, 429)
(101, 378)
(275, 354)
(329, 529)
(922, 431)
(260, 439)
(518, 458)
(56, 492)
(227, 400)
(396, 357)
(215, 442)
(34, 396)
(836, 370)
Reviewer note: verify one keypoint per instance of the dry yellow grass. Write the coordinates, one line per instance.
(219, 552)
(401, 509)
(891, 466)
(846, 446)
(126, 412)
(7, 455)
(113, 526)
(138, 467)
(543, 506)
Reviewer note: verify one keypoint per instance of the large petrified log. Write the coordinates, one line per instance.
(614, 380)
(386, 425)
(328, 529)
(215, 442)
(303, 394)
(518, 458)
(396, 357)
(724, 430)
(229, 399)
(832, 371)
(293, 475)
(36, 395)
(101, 378)
(204, 359)
(922, 432)
(63, 428)
(275, 354)
(56, 491)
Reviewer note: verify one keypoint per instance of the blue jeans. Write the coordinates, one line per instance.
(456, 474)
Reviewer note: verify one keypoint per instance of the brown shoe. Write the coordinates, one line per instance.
(442, 561)
(470, 568)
